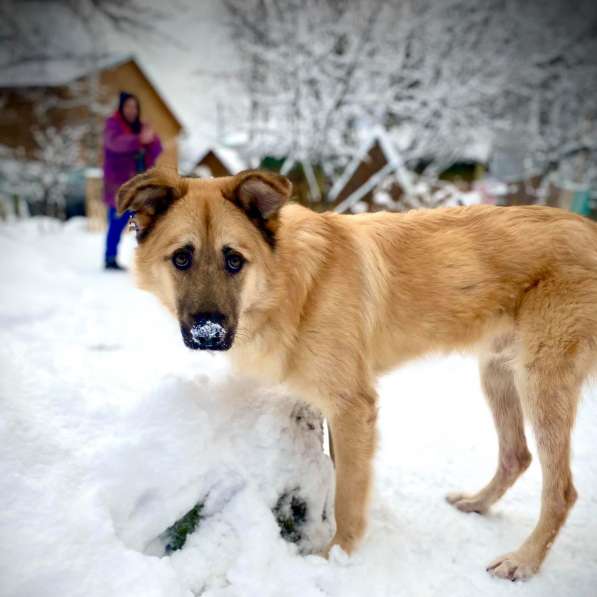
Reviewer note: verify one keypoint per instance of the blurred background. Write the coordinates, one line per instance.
(364, 104)
(120, 444)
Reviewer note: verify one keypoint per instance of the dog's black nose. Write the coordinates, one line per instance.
(207, 332)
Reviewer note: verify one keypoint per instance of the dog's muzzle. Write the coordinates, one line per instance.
(208, 332)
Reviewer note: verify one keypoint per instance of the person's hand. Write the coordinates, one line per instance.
(147, 135)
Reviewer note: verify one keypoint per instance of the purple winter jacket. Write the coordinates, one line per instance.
(121, 148)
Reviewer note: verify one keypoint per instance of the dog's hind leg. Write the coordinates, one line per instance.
(514, 457)
(551, 408)
(557, 329)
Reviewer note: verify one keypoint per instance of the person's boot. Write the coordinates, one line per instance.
(112, 264)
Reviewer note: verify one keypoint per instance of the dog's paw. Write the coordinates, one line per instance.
(466, 503)
(338, 547)
(513, 567)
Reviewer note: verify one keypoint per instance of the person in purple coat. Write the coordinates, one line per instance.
(130, 147)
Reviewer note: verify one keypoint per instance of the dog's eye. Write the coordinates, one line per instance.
(233, 261)
(182, 259)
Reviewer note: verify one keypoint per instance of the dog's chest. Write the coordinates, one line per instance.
(261, 359)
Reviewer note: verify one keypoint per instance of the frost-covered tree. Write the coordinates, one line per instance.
(58, 155)
(447, 77)
(85, 99)
(562, 106)
(306, 66)
(43, 179)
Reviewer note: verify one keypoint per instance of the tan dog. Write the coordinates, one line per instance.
(326, 302)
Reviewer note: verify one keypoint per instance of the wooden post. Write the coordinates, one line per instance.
(95, 209)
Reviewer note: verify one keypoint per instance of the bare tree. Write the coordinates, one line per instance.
(38, 31)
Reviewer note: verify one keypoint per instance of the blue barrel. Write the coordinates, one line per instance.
(581, 202)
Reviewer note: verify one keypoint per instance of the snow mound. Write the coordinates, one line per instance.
(113, 435)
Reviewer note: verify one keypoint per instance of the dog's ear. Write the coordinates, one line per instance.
(149, 195)
(260, 195)
(261, 192)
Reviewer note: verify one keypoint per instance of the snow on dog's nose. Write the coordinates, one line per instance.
(208, 332)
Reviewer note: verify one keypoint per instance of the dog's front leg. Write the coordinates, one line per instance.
(353, 430)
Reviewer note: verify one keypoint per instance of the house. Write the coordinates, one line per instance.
(377, 159)
(219, 161)
(58, 94)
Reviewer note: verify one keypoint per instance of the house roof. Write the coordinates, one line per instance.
(394, 165)
(57, 73)
(229, 157)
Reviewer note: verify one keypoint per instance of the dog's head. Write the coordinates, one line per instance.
(206, 246)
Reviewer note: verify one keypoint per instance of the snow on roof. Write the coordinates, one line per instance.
(342, 181)
(228, 156)
(56, 73)
(395, 164)
(236, 139)
(231, 159)
(368, 186)
(156, 87)
(394, 158)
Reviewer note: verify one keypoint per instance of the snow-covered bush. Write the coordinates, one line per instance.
(43, 179)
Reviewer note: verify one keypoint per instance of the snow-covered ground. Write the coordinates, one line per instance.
(111, 430)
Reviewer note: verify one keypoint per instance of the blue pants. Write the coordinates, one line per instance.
(116, 225)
